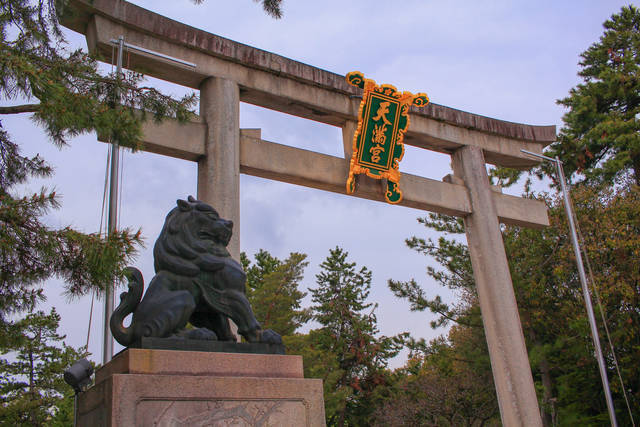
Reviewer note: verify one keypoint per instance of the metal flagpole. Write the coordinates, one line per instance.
(112, 221)
(583, 281)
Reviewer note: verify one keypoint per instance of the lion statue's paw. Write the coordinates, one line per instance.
(270, 337)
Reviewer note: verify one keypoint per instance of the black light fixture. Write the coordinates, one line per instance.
(78, 375)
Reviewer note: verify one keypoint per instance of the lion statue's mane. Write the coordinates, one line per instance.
(196, 282)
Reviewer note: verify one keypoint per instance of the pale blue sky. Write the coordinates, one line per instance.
(505, 59)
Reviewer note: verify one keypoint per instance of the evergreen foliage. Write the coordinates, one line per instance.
(456, 274)
(67, 95)
(448, 381)
(34, 357)
(353, 354)
(600, 139)
(551, 307)
(345, 351)
(599, 147)
(272, 290)
(601, 134)
(272, 7)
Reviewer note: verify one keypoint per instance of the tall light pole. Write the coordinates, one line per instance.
(583, 280)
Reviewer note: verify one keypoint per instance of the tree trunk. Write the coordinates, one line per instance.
(341, 419)
(549, 408)
(548, 418)
(32, 388)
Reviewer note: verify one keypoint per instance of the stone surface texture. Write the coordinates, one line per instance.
(171, 362)
(185, 344)
(329, 173)
(219, 168)
(173, 388)
(509, 360)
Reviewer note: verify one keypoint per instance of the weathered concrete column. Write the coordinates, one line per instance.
(219, 169)
(509, 360)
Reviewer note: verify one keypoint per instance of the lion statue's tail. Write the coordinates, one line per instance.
(128, 303)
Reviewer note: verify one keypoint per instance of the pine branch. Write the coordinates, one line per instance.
(18, 109)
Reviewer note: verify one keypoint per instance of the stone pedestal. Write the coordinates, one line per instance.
(142, 387)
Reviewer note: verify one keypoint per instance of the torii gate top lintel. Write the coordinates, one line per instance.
(302, 90)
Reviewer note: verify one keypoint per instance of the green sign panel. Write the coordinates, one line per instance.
(377, 143)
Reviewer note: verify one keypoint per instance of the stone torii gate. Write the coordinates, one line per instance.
(227, 73)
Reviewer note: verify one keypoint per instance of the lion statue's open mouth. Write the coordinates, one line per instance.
(196, 282)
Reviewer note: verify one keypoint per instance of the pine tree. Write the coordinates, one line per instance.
(67, 95)
(349, 333)
(552, 307)
(272, 7)
(456, 274)
(601, 134)
(32, 388)
(272, 289)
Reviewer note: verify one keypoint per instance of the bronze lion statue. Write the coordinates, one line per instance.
(196, 282)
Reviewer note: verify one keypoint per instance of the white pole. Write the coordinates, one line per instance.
(583, 282)
(107, 353)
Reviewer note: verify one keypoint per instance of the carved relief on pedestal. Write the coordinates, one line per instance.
(221, 413)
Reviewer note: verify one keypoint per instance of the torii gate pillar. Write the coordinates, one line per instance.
(509, 360)
(219, 168)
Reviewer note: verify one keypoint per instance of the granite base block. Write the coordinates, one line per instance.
(172, 388)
